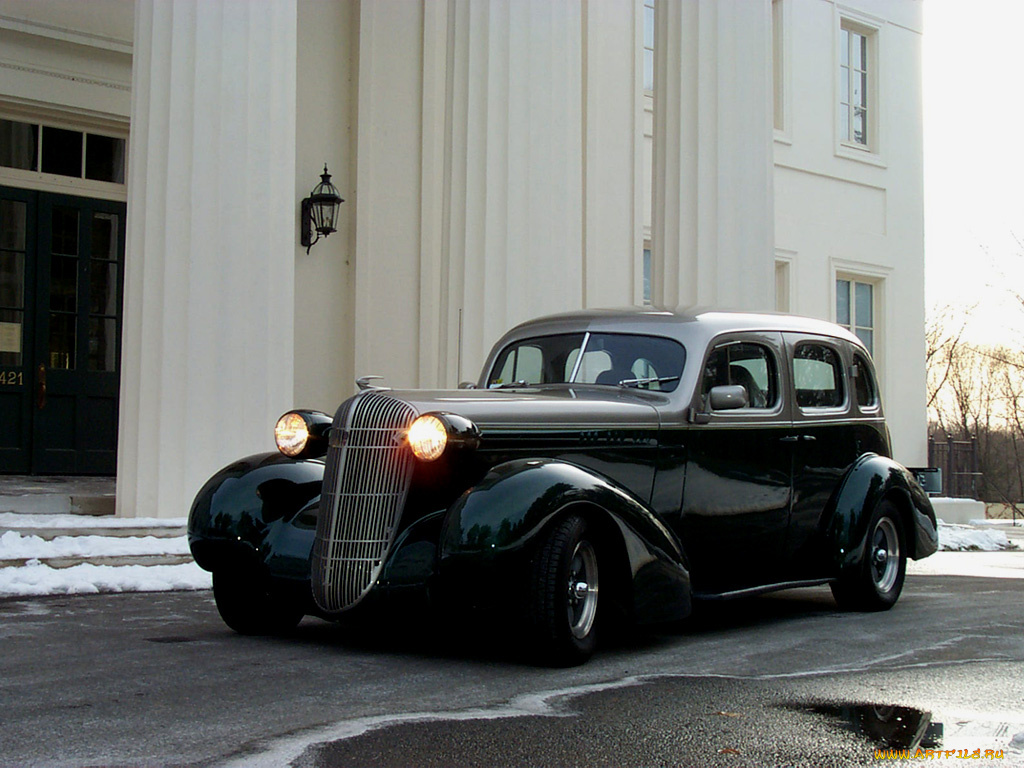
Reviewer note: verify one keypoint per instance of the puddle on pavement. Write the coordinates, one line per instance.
(887, 726)
(908, 728)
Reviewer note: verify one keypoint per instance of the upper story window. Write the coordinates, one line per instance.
(857, 99)
(855, 309)
(648, 45)
(647, 273)
(817, 376)
(751, 366)
(778, 67)
(61, 152)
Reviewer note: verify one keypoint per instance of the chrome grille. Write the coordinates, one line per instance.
(365, 484)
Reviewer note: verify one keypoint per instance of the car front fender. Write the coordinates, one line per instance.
(260, 509)
(871, 479)
(496, 525)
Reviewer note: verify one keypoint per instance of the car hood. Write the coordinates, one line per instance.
(541, 407)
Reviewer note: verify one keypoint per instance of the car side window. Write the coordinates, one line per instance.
(751, 366)
(818, 376)
(541, 360)
(863, 383)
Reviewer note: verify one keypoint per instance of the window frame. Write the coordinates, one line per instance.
(781, 57)
(854, 323)
(871, 29)
(780, 414)
(70, 185)
(813, 411)
(859, 360)
(644, 48)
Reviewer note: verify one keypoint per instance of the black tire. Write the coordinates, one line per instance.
(250, 607)
(564, 591)
(875, 583)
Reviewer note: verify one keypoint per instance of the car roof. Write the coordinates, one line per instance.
(684, 324)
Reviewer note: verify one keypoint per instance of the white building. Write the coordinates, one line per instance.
(499, 159)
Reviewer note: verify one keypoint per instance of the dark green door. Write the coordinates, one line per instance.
(61, 280)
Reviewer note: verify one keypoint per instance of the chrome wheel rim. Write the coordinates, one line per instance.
(582, 590)
(885, 555)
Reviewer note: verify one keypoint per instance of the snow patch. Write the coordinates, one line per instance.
(16, 546)
(962, 538)
(19, 520)
(35, 578)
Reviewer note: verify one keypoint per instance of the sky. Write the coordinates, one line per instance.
(974, 161)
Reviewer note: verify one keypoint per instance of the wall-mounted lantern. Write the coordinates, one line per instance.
(320, 211)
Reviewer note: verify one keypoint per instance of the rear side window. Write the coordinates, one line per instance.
(818, 376)
(751, 366)
(863, 384)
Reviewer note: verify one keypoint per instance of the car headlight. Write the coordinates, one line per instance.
(432, 433)
(302, 434)
(428, 437)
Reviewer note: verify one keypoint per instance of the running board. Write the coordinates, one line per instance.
(751, 591)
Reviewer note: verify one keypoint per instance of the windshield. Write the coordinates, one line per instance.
(612, 359)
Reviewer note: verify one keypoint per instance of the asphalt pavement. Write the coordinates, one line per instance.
(785, 679)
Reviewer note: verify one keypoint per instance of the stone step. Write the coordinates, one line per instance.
(49, 533)
(115, 560)
(57, 495)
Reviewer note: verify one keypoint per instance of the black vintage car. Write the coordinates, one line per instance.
(608, 465)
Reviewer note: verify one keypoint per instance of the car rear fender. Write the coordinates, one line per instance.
(498, 522)
(261, 509)
(871, 479)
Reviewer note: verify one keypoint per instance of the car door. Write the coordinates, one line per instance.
(823, 441)
(737, 489)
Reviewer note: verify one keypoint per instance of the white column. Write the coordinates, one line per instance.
(209, 284)
(613, 153)
(498, 174)
(712, 228)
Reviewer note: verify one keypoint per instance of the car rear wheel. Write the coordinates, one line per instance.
(875, 583)
(564, 594)
(250, 607)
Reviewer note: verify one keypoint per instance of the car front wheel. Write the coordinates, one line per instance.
(875, 583)
(250, 607)
(564, 594)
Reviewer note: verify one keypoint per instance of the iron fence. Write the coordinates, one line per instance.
(958, 460)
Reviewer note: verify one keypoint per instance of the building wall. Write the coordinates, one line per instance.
(844, 211)
(326, 89)
(494, 158)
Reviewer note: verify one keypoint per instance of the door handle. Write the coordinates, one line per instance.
(41, 387)
(798, 439)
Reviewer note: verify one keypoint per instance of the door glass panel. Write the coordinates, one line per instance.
(750, 366)
(11, 333)
(103, 288)
(12, 225)
(102, 343)
(64, 284)
(62, 152)
(65, 231)
(12, 280)
(63, 340)
(104, 236)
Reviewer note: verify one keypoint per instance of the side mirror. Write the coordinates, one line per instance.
(728, 397)
(467, 385)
